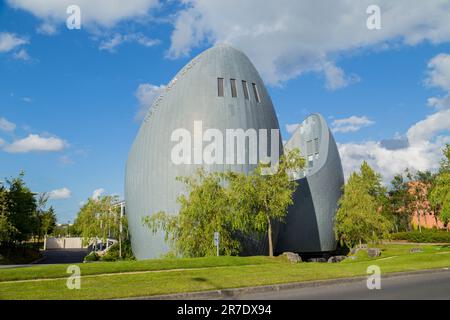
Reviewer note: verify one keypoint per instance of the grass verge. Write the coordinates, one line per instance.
(105, 281)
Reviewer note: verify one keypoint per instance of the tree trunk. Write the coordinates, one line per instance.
(269, 234)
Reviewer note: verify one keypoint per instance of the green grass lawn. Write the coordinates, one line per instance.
(153, 277)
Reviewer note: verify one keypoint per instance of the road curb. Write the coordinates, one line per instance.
(235, 292)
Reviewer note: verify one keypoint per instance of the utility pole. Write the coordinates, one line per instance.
(122, 207)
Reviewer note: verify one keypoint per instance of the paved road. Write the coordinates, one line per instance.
(420, 286)
(63, 256)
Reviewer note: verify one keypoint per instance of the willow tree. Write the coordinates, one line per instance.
(262, 198)
(98, 218)
(204, 209)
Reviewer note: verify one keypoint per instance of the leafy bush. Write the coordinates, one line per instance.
(113, 253)
(92, 257)
(426, 236)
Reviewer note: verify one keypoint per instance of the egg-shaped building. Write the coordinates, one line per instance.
(309, 224)
(219, 89)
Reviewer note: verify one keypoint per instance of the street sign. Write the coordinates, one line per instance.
(216, 238)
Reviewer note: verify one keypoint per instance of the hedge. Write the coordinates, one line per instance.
(426, 236)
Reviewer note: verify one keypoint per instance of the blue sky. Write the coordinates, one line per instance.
(70, 99)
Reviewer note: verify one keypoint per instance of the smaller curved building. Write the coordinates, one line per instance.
(309, 224)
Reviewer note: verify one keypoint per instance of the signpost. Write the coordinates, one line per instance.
(217, 241)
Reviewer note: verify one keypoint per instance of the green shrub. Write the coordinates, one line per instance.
(113, 252)
(426, 236)
(92, 257)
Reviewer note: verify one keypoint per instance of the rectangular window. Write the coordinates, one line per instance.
(245, 88)
(310, 161)
(309, 147)
(233, 88)
(220, 87)
(255, 91)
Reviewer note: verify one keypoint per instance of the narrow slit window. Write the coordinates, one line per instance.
(309, 147)
(220, 87)
(245, 88)
(310, 161)
(233, 88)
(255, 91)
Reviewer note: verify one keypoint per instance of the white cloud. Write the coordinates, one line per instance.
(2, 142)
(34, 142)
(423, 156)
(351, 124)
(22, 54)
(63, 193)
(146, 93)
(66, 160)
(290, 128)
(10, 41)
(439, 72)
(97, 193)
(6, 126)
(118, 39)
(335, 78)
(422, 147)
(47, 28)
(439, 76)
(287, 38)
(104, 13)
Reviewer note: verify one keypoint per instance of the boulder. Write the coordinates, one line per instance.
(292, 257)
(336, 259)
(373, 252)
(415, 250)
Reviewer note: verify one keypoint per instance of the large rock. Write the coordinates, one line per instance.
(292, 257)
(373, 252)
(336, 259)
(357, 249)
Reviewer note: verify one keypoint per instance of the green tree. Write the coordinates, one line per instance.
(21, 206)
(440, 193)
(7, 230)
(48, 221)
(99, 218)
(203, 210)
(373, 183)
(399, 200)
(262, 198)
(360, 217)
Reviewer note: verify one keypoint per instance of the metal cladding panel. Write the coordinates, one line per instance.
(150, 182)
(309, 225)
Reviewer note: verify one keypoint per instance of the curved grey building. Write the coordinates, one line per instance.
(309, 224)
(219, 88)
